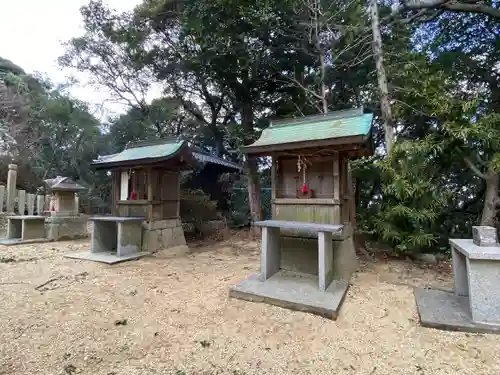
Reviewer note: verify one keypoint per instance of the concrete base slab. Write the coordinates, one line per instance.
(444, 310)
(106, 257)
(294, 291)
(18, 241)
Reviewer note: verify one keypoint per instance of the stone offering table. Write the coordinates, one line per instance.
(24, 229)
(114, 239)
(474, 304)
(322, 294)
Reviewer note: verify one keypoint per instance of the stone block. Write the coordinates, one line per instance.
(33, 229)
(484, 236)
(270, 254)
(166, 237)
(345, 260)
(129, 238)
(151, 240)
(30, 203)
(178, 238)
(162, 224)
(66, 228)
(21, 201)
(2, 193)
(325, 260)
(159, 239)
(484, 277)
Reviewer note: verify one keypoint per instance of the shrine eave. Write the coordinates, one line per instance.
(334, 129)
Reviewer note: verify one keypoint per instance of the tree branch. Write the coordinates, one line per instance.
(474, 168)
(475, 6)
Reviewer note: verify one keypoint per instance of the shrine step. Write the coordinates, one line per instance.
(441, 309)
(106, 257)
(294, 291)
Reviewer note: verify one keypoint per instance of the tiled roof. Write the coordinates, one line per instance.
(161, 149)
(143, 150)
(333, 125)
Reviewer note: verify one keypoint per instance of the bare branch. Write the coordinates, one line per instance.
(474, 168)
(476, 6)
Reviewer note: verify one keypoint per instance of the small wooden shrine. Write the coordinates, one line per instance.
(145, 200)
(312, 200)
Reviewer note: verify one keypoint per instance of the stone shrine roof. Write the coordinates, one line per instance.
(63, 184)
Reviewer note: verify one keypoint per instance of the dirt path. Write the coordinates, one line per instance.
(162, 315)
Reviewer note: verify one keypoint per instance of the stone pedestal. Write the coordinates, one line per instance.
(24, 229)
(162, 234)
(114, 239)
(66, 228)
(312, 278)
(474, 304)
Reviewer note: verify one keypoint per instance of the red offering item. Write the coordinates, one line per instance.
(304, 188)
(133, 196)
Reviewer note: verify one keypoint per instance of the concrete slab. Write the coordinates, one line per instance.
(444, 310)
(18, 241)
(116, 218)
(294, 291)
(107, 257)
(283, 224)
(475, 252)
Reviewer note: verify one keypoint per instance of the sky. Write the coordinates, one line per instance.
(31, 35)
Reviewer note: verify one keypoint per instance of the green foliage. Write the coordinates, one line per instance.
(226, 67)
(412, 203)
(196, 207)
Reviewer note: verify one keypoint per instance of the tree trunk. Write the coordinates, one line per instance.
(490, 198)
(254, 189)
(252, 170)
(324, 101)
(385, 105)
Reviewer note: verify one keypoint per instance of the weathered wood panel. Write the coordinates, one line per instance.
(133, 209)
(311, 213)
(324, 214)
(319, 178)
(158, 193)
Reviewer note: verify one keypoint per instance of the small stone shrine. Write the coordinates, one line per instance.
(474, 303)
(64, 221)
(307, 251)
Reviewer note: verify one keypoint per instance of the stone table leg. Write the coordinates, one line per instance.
(14, 228)
(33, 229)
(103, 236)
(129, 238)
(270, 253)
(325, 260)
(460, 279)
(484, 299)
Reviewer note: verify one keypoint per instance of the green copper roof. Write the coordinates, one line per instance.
(162, 149)
(333, 125)
(159, 150)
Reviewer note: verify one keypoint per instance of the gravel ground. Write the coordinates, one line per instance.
(164, 315)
